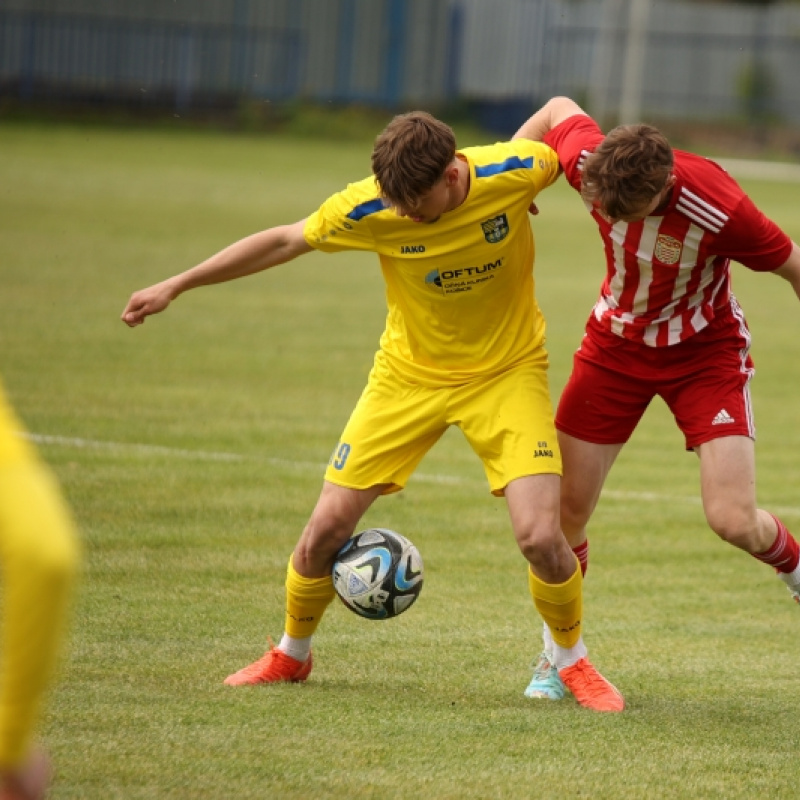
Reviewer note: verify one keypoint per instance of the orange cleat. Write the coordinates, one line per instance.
(590, 688)
(273, 667)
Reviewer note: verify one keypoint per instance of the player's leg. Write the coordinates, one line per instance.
(533, 508)
(555, 583)
(309, 586)
(586, 467)
(389, 431)
(554, 577)
(598, 410)
(332, 523)
(727, 478)
(714, 410)
(606, 395)
(508, 421)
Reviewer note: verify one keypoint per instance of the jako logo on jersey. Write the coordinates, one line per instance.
(410, 249)
(495, 229)
(667, 249)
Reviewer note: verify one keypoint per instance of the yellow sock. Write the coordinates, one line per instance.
(561, 606)
(306, 601)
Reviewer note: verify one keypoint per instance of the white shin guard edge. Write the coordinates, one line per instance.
(791, 579)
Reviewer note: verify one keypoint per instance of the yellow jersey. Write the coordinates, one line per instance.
(459, 291)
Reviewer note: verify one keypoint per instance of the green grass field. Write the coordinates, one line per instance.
(192, 450)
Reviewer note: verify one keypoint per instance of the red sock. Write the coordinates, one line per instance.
(582, 551)
(784, 554)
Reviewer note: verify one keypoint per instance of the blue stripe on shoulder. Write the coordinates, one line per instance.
(515, 162)
(365, 209)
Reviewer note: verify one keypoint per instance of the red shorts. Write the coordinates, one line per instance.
(704, 380)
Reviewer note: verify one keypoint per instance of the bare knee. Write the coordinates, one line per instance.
(737, 526)
(332, 522)
(544, 547)
(322, 537)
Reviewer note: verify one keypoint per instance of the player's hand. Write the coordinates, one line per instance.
(146, 302)
(29, 781)
(533, 209)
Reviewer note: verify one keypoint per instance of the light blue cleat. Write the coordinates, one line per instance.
(545, 683)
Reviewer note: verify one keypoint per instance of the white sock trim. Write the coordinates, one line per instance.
(567, 656)
(791, 579)
(295, 648)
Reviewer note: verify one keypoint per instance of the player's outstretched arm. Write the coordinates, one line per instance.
(553, 112)
(246, 257)
(790, 270)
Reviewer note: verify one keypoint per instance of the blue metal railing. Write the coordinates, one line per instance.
(103, 59)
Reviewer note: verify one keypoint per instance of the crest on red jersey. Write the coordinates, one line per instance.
(667, 249)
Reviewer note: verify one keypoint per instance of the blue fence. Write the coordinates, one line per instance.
(98, 59)
(379, 52)
(702, 61)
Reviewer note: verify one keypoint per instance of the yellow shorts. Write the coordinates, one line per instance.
(507, 419)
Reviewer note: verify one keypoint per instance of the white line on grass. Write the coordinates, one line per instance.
(451, 480)
(205, 455)
(93, 444)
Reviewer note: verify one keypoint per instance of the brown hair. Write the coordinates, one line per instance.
(411, 155)
(629, 168)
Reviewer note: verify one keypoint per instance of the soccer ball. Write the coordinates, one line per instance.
(378, 573)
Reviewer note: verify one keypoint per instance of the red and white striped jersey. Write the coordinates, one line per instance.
(667, 274)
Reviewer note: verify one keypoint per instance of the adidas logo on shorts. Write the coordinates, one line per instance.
(723, 418)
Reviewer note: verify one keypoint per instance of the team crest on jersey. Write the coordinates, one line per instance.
(667, 249)
(495, 229)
